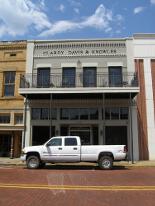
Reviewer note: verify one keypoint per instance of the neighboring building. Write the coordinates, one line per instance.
(81, 87)
(12, 65)
(144, 55)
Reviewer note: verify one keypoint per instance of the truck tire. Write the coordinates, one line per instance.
(105, 163)
(33, 162)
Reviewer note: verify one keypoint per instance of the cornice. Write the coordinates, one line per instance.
(13, 47)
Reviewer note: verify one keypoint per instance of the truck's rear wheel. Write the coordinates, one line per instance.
(33, 162)
(105, 163)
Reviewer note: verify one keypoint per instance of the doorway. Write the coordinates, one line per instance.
(5, 145)
(41, 134)
(116, 135)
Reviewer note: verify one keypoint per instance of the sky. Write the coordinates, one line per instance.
(75, 19)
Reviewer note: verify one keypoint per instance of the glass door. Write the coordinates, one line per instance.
(115, 76)
(43, 77)
(68, 77)
(89, 77)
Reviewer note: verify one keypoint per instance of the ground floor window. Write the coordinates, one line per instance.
(116, 135)
(79, 113)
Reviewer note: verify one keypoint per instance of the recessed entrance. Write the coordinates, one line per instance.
(41, 134)
(5, 145)
(116, 135)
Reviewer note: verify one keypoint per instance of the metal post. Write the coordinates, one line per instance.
(12, 146)
(25, 115)
(103, 107)
(131, 130)
(50, 115)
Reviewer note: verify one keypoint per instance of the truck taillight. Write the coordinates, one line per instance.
(125, 149)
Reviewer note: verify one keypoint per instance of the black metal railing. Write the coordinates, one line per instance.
(79, 80)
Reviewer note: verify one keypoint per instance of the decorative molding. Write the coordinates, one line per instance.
(76, 49)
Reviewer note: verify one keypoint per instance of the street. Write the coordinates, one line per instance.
(77, 185)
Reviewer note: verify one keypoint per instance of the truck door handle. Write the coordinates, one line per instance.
(59, 148)
(75, 148)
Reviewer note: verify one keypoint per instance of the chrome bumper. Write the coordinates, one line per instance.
(23, 157)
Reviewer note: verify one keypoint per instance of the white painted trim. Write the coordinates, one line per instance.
(111, 64)
(91, 64)
(68, 64)
(43, 65)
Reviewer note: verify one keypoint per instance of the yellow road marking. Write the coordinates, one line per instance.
(78, 187)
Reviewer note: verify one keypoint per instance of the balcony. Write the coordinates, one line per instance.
(79, 83)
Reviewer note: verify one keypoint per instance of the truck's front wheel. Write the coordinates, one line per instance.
(105, 163)
(33, 162)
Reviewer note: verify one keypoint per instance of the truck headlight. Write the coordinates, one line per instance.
(23, 152)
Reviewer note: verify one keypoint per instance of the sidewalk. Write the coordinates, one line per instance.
(17, 162)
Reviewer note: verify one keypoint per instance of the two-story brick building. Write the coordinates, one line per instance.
(12, 65)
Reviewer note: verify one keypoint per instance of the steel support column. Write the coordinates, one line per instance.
(50, 115)
(131, 131)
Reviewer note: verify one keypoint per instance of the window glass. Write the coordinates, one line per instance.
(18, 119)
(114, 113)
(44, 113)
(107, 113)
(65, 113)
(70, 141)
(93, 113)
(89, 77)
(124, 113)
(43, 77)
(36, 113)
(74, 113)
(84, 113)
(115, 76)
(9, 83)
(4, 119)
(68, 77)
(55, 142)
(54, 114)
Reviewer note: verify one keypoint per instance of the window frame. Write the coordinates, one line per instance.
(8, 82)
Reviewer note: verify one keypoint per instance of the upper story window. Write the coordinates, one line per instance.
(116, 113)
(4, 119)
(115, 76)
(68, 77)
(18, 118)
(9, 83)
(43, 114)
(43, 77)
(89, 76)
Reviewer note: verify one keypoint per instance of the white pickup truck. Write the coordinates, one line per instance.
(68, 149)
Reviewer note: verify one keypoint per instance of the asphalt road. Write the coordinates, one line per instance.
(76, 186)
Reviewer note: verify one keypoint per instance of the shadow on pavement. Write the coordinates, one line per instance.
(78, 167)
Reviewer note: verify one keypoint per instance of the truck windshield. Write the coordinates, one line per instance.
(55, 142)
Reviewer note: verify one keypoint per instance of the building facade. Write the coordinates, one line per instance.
(144, 57)
(82, 87)
(12, 65)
